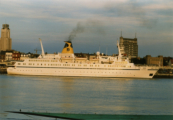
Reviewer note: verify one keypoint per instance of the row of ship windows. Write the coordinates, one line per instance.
(124, 62)
(71, 65)
(76, 71)
(43, 60)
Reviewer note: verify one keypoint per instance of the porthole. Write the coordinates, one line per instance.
(151, 74)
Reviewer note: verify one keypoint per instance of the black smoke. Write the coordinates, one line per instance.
(92, 26)
(79, 29)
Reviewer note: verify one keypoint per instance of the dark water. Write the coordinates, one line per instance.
(85, 95)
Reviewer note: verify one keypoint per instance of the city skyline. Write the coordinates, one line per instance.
(89, 24)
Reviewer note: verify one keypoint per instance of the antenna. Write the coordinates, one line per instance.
(135, 35)
(121, 33)
(36, 50)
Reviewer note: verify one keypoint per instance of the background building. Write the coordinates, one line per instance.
(2, 56)
(166, 61)
(5, 40)
(171, 63)
(154, 60)
(16, 55)
(6, 55)
(24, 56)
(129, 47)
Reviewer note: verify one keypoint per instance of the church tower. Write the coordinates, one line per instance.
(5, 40)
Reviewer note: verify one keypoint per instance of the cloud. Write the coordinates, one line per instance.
(159, 6)
(37, 10)
(132, 10)
(74, 11)
(53, 20)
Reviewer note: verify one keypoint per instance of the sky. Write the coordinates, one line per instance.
(91, 25)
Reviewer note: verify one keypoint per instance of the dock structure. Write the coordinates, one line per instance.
(69, 116)
(3, 68)
(164, 72)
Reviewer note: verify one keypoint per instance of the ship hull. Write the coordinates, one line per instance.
(126, 73)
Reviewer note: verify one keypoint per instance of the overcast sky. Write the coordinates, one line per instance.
(89, 24)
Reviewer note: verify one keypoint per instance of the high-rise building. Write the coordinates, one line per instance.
(129, 47)
(5, 40)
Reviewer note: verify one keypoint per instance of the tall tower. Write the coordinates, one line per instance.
(129, 47)
(5, 40)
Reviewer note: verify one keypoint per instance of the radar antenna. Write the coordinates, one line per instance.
(36, 50)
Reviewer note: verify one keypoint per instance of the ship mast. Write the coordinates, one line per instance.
(42, 48)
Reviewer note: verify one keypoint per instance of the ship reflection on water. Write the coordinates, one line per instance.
(67, 91)
(86, 95)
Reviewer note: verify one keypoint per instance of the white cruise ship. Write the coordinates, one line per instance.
(67, 64)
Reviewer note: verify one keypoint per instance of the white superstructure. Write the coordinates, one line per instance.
(67, 64)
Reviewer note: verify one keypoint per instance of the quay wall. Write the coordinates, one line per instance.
(3, 70)
(164, 72)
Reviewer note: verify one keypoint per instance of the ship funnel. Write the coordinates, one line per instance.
(41, 47)
(68, 48)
